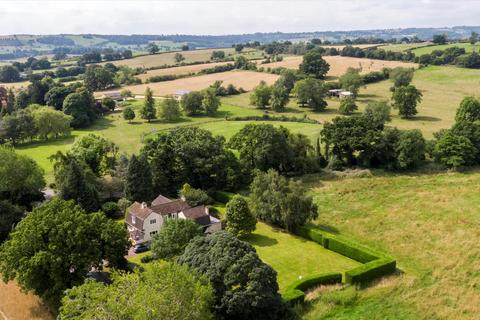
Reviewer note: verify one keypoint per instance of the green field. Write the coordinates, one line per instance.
(468, 48)
(293, 257)
(403, 46)
(428, 222)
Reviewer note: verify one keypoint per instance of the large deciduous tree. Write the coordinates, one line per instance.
(97, 152)
(173, 237)
(351, 81)
(469, 110)
(311, 92)
(261, 95)
(239, 219)
(169, 109)
(314, 65)
(162, 291)
(81, 106)
(191, 103)
(244, 287)
(54, 247)
(405, 99)
(281, 202)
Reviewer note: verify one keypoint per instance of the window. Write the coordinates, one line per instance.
(153, 221)
(153, 233)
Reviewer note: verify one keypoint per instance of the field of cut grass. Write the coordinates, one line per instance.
(468, 48)
(339, 64)
(428, 221)
(244, 79)
(179, 70)
(15, 85)
(17, 305)
(293, 257)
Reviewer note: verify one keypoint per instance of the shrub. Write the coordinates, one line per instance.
(194, 197)
(110, 209)
(147, 258)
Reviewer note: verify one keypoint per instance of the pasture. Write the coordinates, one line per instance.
(339, 64)
(427, 221)
(179, 70)
(399, 47)
(240, 79)
(293, 257)
(428, 49)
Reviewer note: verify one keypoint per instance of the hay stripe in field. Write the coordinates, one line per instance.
(244, 79)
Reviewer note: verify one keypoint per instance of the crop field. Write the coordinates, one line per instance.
(338, 64)
(428, 222)
(293, 257)
(16, 305)
(179, 70)
(240, 79)
(15, 85)
(468, 48)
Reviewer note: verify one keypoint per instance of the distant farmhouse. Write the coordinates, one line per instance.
(339, 93)
(144, 221)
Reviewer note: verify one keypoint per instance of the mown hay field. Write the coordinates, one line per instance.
(168, 58)
(179, 70)
(240, 79)
(339, 64)
(17, 305)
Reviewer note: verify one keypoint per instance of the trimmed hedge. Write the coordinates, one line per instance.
(295, 292)
(267, 117)
(376, 264)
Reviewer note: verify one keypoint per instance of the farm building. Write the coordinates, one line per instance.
(180, 93)
(144, 221)
(114, 95)
(339, 93)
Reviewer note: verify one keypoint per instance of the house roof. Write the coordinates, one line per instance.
(140, 210)
(181, 92)
(198, 214)
(160, 200)
(170, 207)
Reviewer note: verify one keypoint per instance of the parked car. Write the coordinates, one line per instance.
(141, 248)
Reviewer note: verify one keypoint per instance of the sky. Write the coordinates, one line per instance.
(229, 16)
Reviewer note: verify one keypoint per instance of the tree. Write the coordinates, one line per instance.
(210, 101)
(162, 291)
(185, 47)
(10, 215)
(405, 99)
(21, 179)
(98, 78)
(138, 185)
(17, 126)
(314, 65)
(351, 81)
(9, 74)
(191, 103)
(239, 219)
(128, 114)
(261, 146)
(218, 55)
(287, 79)
(401, 76)
(469, 110)
(125, 93)
(261, 95)
(152, 48)
(244, 287)
(75, 181)
(194, 197)
(81, 106)
(173, 237)
(311, 92)
(241, 62)
(148, 110)
(108, 103)
(454, 150)
(410, 149)
(347, 106)
(191, 155)
(49, 122)
(378, 112)
(179, 57)
(169, 109)
(440, 38)
(127, 54)
(10, 103)
(97, 152)
(473, 38)
(279, 202)
(56, 95)
(54, 247)
(279, 97)
(22, 100)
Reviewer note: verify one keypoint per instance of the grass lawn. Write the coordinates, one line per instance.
(293, 256)
(428, 222)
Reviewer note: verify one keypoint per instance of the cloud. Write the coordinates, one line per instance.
(229, 17)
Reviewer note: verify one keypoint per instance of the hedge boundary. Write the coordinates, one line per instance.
(374, 264)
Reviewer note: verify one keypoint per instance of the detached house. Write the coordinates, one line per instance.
(144, 221)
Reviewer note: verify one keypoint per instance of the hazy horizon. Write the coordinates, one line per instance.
(222, 17)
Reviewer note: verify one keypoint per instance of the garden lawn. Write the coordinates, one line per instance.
(293, 257)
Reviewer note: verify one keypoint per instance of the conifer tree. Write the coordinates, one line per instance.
(148, 110)
(138, 185)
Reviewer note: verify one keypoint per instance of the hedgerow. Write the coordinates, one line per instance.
(296, 291)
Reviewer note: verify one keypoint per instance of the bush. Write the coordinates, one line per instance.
(123, 204)
(194, 197)
(147, 258)
(110, 209)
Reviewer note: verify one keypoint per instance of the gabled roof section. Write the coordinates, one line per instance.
(170, 207)
(160, 200)
(198, 214)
